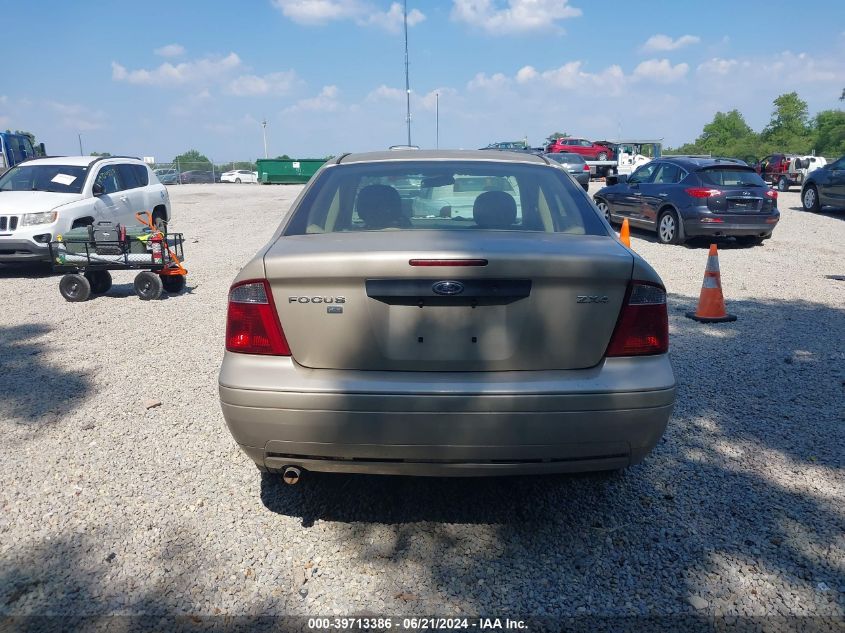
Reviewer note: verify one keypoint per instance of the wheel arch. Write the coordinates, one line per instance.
(161, 210)
(682, 234)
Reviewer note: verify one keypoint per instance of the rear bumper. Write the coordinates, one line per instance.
(425, 423)
(737, 225)
(23, 251)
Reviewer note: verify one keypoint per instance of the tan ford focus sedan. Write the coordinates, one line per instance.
(446, 313)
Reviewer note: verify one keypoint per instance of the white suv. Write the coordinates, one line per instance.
(45, 197)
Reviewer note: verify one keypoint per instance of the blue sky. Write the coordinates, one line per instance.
(157, 78)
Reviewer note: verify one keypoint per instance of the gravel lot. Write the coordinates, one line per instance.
(111, 508)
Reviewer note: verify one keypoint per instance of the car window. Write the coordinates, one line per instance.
(52, 178)
(448, 195)
(731, 176)
(142, 175)
(108, 179)
(128, 178)
(840, 164)
(643, 174)
(667, 174)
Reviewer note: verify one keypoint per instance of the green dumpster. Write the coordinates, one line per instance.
(287, 170)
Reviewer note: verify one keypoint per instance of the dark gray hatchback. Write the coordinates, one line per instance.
(683, 197)
(574, 164)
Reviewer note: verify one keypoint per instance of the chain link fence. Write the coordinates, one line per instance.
(183, 173)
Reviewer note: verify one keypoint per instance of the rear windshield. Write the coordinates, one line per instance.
(567, 158)
(444, 195)
(731, 176)
(52, 178)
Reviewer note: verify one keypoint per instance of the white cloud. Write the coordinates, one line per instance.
(197, 71)
(526, 74)
(78, 117)
(319, 11)
(660, 70)
(662, 42)
(571, 76)
(171, 50)
(513, 16)
(326, 101)
(392, 19)
(482, 82)
(717, 66)
(386, 93)
(274, 83)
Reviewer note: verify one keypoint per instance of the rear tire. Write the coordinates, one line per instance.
(173, 284)
(75, 288)
(668, 228)
(783, 184)
(100, 281)
(238, 181)
(810, 199)
(602, 155)
(159, 222)
(148, 285)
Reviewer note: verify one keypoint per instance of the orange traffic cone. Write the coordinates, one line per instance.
(711, 303)
(625, 233)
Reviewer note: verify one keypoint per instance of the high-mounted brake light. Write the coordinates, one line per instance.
(643, 325)
(702, 192)
(252, 324)
(447, 262)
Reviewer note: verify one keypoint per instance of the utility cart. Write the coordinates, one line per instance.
(87, 254)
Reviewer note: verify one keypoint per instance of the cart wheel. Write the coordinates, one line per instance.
(173, 284)
(100, 281)
(147, 285)
(75, 288)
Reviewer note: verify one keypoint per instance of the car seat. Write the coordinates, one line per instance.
(494, 210)
(380, 207)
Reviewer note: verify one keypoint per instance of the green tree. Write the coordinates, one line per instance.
(842, 96)
(192, 159)
(102, 154)
(789, 129)
(555, 135)
(727, 135)
(283, 157)
(24, 133)
(829, 133)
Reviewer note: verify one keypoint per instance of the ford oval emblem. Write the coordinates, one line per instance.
(448, 287)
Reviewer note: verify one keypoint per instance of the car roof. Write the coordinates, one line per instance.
(430, 155)
(691, 162)
(76, 161)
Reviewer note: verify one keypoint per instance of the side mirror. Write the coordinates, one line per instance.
(98, 189)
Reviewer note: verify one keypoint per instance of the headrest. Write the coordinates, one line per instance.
(494, 210)
(379, 206)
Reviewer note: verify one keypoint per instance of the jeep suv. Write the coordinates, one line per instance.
(45, 197)
(587, 149)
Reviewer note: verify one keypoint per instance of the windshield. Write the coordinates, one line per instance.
(731, 176)
(566, 158)
(52, 178)
(444, 195)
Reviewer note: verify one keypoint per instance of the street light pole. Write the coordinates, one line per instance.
(79, 136)
(437, 120)
(407, 79)
(264, 133)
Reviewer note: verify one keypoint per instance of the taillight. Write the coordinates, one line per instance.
(643, 325)
(252, 324)
(702, 192)
(771, 193)
(586, 167)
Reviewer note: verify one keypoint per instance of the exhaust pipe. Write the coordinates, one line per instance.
(291, 475)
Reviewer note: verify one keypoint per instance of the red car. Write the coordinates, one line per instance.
(587, 149)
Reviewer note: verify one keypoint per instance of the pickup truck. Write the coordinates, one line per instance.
(785, 170)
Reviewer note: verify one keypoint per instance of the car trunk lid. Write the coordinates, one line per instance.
(527, 301)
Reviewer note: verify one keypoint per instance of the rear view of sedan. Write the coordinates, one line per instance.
(513, 335)
(575, 165)
(680, 198)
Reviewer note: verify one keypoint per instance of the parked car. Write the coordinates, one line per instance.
(43, 198)
(825, 187)
(522, 338)
(575, 165)
(684, 197)
(510, 146)
(239, 176)
(167, 176)
(587, 149)
(196, 176)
